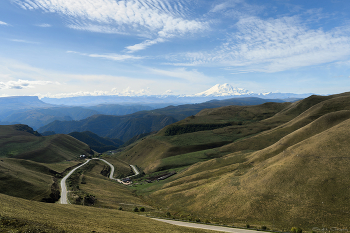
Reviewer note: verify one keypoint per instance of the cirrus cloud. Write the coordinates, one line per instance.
(114, 57)
(274, 45)
(154, 19)
(23, 84)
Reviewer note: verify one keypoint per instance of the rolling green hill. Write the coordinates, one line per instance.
(29, 162)
(21, 142)
(281, 165)
(226, 124)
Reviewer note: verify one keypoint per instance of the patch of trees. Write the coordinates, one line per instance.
(190, 128)
(85, 199)
(106, 170)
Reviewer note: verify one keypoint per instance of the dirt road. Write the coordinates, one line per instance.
(207, 227)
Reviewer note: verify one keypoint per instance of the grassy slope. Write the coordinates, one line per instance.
(295, 174)
(109, 193)
(50, 149)
(299, 115)
(34, 160)
(245, 120)
(121, 168)
(24, 179)
(32, 216)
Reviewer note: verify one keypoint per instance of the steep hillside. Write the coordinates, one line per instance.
(294, 172)
(209, 129)
(25, 179)
(96, 142)
(21, 142)
(121, 127)
(305, 184)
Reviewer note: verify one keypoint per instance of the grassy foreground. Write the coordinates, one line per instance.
(19, 215)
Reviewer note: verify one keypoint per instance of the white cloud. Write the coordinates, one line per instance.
(44, 25)
(23, 41)
(274, 45)
(114, 57)
(163, 18)
(3, 23)
(97, 28)
(144, 45)
(168, 92)
(223, 6)
(23, 84)
(190, 76)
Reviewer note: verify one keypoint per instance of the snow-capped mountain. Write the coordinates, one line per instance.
(223, 90)
(217, 92)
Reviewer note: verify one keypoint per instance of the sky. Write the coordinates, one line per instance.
(64, 48)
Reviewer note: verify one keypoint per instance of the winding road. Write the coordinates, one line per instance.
(64, 192)
(64, 199)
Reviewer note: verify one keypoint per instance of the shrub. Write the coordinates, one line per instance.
(264, 228)
(296, 230)
(136, 209)
(142, 209)
(168, 214)
(120, 208)
(207, 221)
(198, 220)
(248, 226)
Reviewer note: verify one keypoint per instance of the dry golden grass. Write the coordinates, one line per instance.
(121, 168)
(109, 193)
(296, 174)
(270, 137)
(305, 185)
(62, 166)
(148, 153)
(24, 179)
(71, 218)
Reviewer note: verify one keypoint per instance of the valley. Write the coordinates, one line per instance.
(274, 165)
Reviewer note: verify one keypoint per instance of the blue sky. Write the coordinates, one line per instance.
(59, 48)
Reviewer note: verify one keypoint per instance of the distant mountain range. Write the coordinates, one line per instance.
(144, 122)
(220, 92)
(128, 116)
(31, 111)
